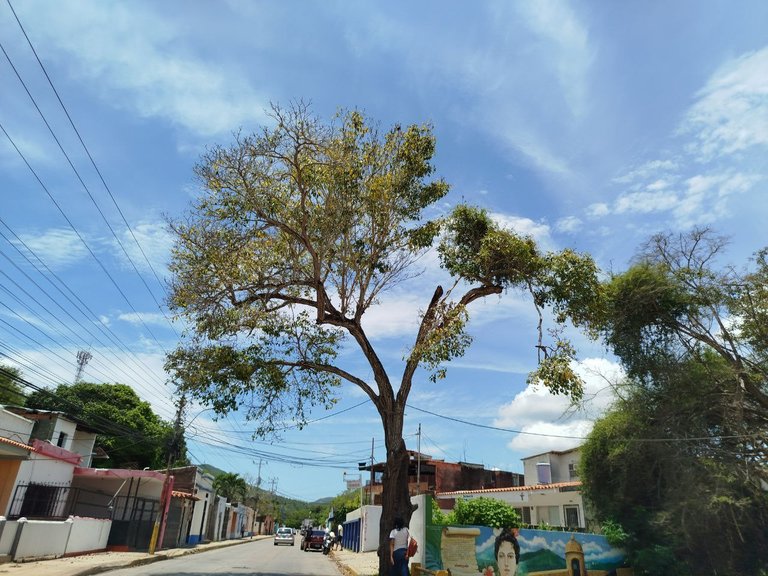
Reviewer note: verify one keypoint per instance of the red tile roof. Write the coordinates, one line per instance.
(184, 495)
(15, 444)
(533, 488)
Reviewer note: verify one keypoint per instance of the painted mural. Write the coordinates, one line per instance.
(483, 551)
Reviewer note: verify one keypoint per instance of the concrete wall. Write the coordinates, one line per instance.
(418, 525)
(26, 540)
(371, 516)
(7, 535)
(15, 427)
(43, 470)
(369, 540)
(88, 535)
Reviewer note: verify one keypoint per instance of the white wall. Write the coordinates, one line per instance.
(7, 536)
(558, 466)
(88, 535)
(39, 539)
(418, 526)
(83, 443)
(15, 427)
(370, 528)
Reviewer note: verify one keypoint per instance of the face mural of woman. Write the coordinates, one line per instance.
(507, 553)
(506, 559)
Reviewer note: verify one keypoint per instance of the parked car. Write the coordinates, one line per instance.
(284, 536)
(313, 540)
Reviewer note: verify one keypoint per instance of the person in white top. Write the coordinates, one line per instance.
(398, 546)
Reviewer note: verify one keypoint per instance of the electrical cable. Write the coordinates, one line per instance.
(93, 255)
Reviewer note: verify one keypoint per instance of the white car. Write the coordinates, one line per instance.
(284, 536)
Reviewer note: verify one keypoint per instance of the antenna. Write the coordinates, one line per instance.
(83, 356)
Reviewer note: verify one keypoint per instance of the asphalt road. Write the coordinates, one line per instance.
(258, 558)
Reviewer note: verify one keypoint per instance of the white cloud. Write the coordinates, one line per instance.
(568, 224)
(557, 23)
(645, 202)
(544, 416)
(731, 114)
(139, 319)
(397, 315)
(658, 185)
(539, 231)
(155, 242)
(647, 170)
(150, 72)
(598, 210)
(57, 247)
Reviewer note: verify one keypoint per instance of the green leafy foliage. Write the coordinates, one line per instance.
(680, 459)
(231, 486)
(484, 512)
(299, 231)
(130, 433)
(10, 390)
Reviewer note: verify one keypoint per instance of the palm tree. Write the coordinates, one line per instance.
(231, 486)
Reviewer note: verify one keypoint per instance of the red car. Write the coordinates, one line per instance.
(313, 540)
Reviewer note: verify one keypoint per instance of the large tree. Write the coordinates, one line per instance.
(301, 229)
(130, 433)
(680, 459)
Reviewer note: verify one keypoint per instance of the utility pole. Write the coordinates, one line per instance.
(418, 462)
(258, 496)
(172, 449)
(371, 488)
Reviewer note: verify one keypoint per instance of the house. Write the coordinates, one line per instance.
(551, 493)
(433, 475)
(54, 481)
(189, 513)
(56, 445)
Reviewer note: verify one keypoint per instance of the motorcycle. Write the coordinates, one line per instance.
(327, 543)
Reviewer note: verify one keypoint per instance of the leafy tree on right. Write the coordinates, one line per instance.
(680, 461)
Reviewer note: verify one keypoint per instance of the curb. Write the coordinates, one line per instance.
(171, 553)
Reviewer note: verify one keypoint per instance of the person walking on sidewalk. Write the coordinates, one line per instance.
(398, 546)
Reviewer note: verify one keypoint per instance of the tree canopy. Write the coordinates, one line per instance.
(130, 433)
(231, 485)
(680, 459)
(10, 390)
(301, 229)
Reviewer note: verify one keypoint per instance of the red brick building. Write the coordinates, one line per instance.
(432, 475)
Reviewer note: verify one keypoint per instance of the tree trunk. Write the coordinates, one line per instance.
(395, 499)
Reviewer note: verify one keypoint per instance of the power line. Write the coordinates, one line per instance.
(77, 233)
(87, 151)
(80, 306)
(543, 435)
(93, 200)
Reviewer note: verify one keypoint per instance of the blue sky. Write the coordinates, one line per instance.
(589, 125)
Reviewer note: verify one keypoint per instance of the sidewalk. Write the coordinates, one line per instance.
(349, 563)
(356, 563)
(88, 564)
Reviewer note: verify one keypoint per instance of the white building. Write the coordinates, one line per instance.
(551, 494)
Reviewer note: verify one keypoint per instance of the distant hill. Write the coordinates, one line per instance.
(212, 470)
(540, 561)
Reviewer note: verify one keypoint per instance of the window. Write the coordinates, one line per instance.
(573, 474)
(61, 440)
(571, 516)
(548, 515)
(525, 514)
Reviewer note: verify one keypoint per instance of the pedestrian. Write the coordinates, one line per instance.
(339, 534)
(398, 546)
